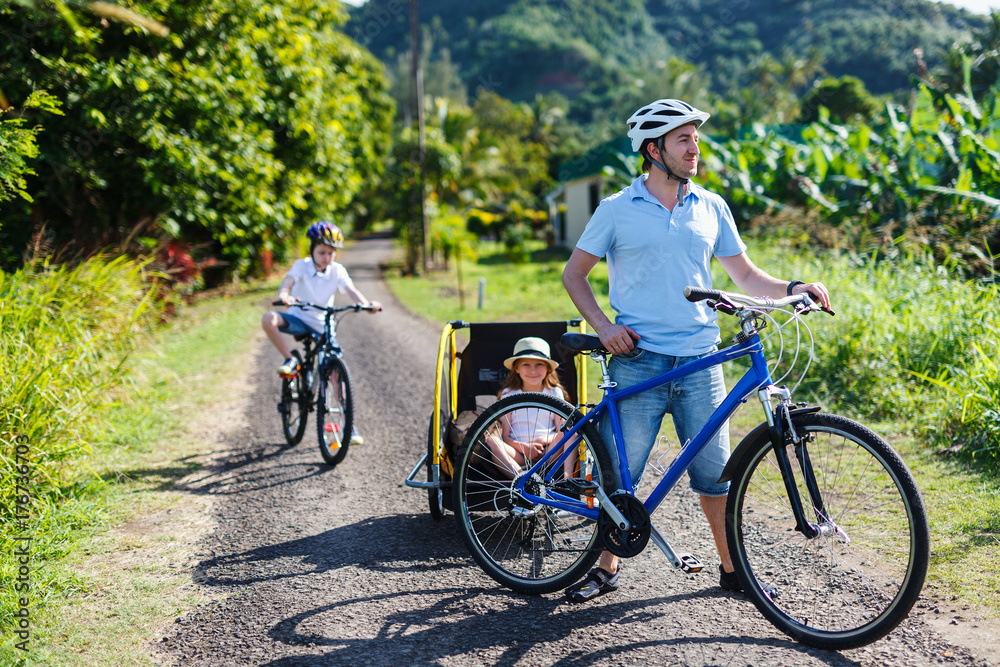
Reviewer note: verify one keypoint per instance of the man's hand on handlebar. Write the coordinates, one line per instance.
(373, 307)
(287, 299)
(817, 290)
(618, 338)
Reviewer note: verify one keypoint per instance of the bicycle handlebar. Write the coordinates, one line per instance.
(731, 302)
(339, 309)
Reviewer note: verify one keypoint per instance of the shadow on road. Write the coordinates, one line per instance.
(498, 626)
(230, 472)
(511, 633)
(380, 544)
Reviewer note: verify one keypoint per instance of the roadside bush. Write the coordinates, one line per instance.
(912, 342)
(246, 122)
(515, 238)
(66, 334)
(971, 423)
(902, 321)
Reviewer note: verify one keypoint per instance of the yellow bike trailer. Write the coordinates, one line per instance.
(468, 381)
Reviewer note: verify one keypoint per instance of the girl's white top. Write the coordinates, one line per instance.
(531, 423)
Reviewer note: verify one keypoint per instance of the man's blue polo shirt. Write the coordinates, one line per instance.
(653, 254)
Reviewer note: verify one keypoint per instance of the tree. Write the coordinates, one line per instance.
(246, 123)
(973, 67)
(846, 98)
(492, 156)
(18, 146)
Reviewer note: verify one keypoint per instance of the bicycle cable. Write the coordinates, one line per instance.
(777, 329)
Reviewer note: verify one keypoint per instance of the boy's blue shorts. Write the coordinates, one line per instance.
(295, 326)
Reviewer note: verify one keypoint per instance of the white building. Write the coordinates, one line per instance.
(583, 183)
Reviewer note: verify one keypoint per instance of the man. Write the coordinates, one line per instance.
(659, 235)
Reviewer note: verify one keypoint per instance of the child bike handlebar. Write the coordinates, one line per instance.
(338, 309)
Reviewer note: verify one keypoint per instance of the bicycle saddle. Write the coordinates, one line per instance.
(579, 342)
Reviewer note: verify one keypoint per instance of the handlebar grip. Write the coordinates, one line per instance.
(695, 294)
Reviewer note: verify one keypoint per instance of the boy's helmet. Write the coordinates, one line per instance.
(326, 233)
(657, 118)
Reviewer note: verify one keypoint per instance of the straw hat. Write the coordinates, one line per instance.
(531, 348)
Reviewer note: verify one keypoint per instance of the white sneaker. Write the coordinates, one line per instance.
(290, 367)
(356, 438)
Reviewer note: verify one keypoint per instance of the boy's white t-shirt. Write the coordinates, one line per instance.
(317, 287)
(527, 424)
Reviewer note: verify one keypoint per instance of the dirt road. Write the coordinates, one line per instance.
(346, 566)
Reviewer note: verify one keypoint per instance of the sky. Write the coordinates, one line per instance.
(977, 6)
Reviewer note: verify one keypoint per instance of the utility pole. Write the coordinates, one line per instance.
(419, 236)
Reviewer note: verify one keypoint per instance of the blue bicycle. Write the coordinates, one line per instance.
(819, 507)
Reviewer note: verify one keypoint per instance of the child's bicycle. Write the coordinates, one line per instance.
(820, 508)
(321, 369)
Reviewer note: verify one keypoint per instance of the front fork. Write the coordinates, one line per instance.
(781, 430)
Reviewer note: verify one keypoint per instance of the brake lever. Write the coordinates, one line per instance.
(809, 304)
(726, 306)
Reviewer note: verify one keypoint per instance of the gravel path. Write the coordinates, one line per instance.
(346, 566)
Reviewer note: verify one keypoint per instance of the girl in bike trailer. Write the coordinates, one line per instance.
(316, 279)
(523, 438)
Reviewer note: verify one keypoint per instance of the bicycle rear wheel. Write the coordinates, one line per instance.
(334, 411)
(858, 579)
(526, 547)
(294, 405)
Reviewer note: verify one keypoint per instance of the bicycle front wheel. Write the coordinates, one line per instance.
(859, 576)
(334, 411)
(526, 547)
(294, 405)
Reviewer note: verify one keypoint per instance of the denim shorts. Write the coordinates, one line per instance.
(690, 400)
(296, 326)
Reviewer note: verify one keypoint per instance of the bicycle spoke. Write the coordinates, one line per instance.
(526, 546)
(334, 412)
(857, 578)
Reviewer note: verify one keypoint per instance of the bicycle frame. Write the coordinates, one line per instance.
(756, 378)
(854, 564)
(316, 346)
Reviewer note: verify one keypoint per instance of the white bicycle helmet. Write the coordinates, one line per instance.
(657, 118)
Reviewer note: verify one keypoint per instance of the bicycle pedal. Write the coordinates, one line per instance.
(581, 485)
(690, 563)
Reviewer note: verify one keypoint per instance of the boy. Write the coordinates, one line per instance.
(314, 279)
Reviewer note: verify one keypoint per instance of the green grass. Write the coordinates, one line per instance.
(524, 292)
(891, 319)
(119, 564)
(963, 505)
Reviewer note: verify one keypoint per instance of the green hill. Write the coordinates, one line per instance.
(589, 49)
(870, 39)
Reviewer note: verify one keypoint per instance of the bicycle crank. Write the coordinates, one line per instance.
(625, 544)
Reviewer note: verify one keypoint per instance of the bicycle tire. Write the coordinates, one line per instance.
(294, 405)
(538, 550)
(436, 498)
(854, 583)
(334, 418)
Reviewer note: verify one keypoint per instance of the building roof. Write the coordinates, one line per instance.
(616, 154)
